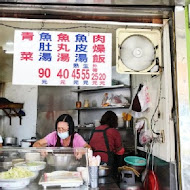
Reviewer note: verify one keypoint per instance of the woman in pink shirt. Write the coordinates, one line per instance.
(63, 136)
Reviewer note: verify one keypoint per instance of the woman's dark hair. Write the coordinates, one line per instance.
(110, 119)
(66, 118)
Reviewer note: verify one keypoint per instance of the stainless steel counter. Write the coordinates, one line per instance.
(35, 186)
(30, 153)
(110, 186)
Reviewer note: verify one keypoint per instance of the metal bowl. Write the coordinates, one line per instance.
(6, 165)
(64, 161)
(104, 171)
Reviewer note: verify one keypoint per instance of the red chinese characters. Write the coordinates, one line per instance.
(98, 38)
(62, 48)
(27, 36)
(99, 49)
(63, 37)
(98, 58)
(64, 57)
(26, 56)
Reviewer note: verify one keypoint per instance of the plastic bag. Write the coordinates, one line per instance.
(105, 100)
(118, 100)
(144, 131)
(141, 100)
(145, 137)
(139, 125)
(144, 98)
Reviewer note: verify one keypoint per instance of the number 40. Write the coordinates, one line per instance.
(63, 73)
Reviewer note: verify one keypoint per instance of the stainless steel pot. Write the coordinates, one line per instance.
(104, 171)
(6, 165)
(10, 141)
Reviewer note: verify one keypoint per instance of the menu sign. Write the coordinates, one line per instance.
(55, 58)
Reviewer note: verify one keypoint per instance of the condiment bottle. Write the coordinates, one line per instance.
(78, 104)
(86, 103)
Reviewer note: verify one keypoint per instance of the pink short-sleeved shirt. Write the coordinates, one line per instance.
(51, 139)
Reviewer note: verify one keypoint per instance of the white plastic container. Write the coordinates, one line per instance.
(120, 122)
(97, 123)
(32, 156)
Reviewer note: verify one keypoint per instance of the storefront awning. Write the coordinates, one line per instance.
(104, 2)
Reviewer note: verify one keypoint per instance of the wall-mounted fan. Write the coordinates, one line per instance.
(138, 51)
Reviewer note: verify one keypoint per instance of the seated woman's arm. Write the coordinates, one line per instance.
(40, 143)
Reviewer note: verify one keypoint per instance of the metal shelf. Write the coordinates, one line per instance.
(85, 128)
(103, 108)
(98, 89)
(11, 110)
(101, 88)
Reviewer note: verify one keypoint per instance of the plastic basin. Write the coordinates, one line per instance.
(138, 163)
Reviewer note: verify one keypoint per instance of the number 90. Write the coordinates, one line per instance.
(44, 72)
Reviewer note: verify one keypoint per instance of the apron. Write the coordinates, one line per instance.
(108, 152)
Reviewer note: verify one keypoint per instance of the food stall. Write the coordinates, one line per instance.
(41, 168)
(164, 78)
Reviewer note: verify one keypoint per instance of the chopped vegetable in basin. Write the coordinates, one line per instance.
(16, 173)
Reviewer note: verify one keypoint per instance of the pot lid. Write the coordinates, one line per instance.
(28, 140)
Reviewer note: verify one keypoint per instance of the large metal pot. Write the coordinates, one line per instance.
(10, 141)
(64, 161)
(104, 171)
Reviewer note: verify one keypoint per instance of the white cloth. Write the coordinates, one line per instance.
(1, 139)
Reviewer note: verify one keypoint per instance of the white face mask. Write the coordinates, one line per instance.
(63, 135)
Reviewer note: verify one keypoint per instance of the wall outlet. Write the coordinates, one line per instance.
(162, 136)
(159, 137)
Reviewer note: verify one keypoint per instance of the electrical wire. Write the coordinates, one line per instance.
(160, 90)
(62, 28)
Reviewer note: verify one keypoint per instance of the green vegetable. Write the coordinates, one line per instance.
(16, 173)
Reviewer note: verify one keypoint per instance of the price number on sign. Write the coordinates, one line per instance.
(44, 72)
(63, 73)
(98, 76)
(83, 74)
